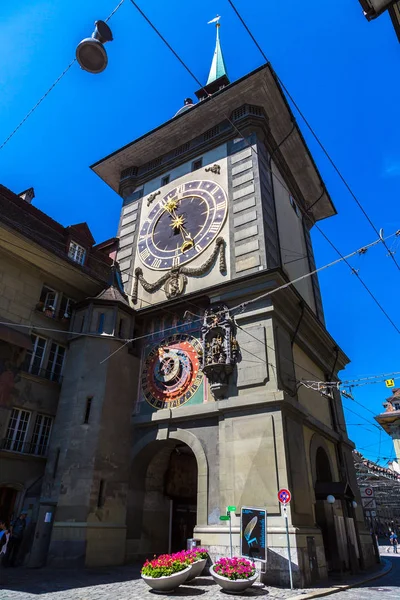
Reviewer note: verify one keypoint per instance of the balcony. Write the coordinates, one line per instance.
(20, 447)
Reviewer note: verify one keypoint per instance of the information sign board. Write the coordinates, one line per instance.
(253, 528)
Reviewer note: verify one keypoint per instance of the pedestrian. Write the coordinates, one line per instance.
(394, 541)
(4, 537)
(16, 534)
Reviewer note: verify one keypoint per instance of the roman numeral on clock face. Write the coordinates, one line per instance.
(176, 261)
(220, 205)
(156, 263)
(214, 227)
(144, 254)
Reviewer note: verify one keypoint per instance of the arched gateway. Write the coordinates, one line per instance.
(167, 492)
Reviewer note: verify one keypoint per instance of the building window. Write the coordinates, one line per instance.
(100, 323)
(17, 429)
(121, 328)
(197, 164)
(77, 253)
(66, 307)
(41, 435)
(55, 362)
(295, 207)
(88, 409)
(48, 301)
(165, 180)
(100, 498)
(34, 358)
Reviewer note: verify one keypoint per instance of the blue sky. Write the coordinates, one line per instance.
(342, 71)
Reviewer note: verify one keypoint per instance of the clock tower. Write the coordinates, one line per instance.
(217, 208)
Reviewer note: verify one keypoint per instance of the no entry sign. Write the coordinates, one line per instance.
(284, 496)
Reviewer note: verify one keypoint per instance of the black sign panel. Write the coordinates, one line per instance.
(253, 525)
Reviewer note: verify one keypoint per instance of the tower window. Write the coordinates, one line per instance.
(77, 253)
(100, 498)
(295, 207)
(197, 164)
(165, 180)
(88, 409)
(100, 323)
(121, 328)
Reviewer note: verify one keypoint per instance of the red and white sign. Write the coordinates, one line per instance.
(367, 492)
(284, 496)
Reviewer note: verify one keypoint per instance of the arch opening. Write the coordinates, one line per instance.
(162, 512)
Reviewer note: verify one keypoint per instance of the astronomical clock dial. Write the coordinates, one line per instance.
(171, 374)
(182, 224)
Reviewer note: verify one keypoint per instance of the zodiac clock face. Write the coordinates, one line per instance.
(171, 374)
(182, 224)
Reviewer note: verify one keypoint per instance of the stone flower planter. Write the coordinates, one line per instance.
(197, 568)
(164, 585)
(233, 586)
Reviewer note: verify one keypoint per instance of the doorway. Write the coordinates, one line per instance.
(163, 510)
(181, 489)
(8, 496)
(324, 512)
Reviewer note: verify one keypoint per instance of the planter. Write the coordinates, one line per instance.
(233, 586)
(163, 585)
(197, 568)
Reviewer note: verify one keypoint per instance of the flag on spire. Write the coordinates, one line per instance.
(217, 18)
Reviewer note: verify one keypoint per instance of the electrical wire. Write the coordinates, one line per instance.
(324, 150)
(53, 85)
(359, 278)
(240, 306)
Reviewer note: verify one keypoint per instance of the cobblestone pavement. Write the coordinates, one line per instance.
(124, 583)
(384, 588)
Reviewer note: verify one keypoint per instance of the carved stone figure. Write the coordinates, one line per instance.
(220, 348)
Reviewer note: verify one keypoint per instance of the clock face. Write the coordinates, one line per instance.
(182, 224)
(171, 375)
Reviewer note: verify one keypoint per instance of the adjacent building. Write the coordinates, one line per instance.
(45, 269)
(380, 495)
(181, 393)
(389, 420)
(374, 8)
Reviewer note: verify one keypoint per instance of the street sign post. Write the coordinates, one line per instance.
(284, 497)
(227, 517)
(367, 492)
(253, 530)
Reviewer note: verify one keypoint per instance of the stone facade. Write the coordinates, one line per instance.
(38, 284)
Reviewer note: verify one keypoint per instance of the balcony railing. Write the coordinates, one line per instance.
(23, 447)
(44, 373)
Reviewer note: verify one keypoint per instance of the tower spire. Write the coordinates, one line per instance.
(218, 68)
(218, 77)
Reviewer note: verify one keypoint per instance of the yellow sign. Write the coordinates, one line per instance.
(389, 382)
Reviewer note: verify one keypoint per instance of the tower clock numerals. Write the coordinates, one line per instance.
(144, 254)
(182, 224)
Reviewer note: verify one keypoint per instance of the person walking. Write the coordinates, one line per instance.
(17, 530)
(394, 541)
(4, 537)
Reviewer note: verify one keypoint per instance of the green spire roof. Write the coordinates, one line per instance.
(218, 68)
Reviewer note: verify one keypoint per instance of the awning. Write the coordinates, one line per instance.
(339, 489)
(15, 337)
